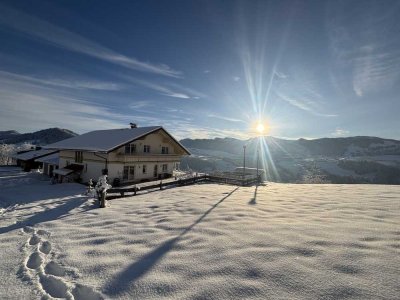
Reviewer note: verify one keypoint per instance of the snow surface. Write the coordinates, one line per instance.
(279, 241)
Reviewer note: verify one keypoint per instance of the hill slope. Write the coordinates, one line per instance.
(359, 159)
(42, 137)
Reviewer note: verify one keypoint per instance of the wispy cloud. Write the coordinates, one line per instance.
(60, 37)
(340, 132)
(33, 103)
(72, 84)
(300, 90)
(226, 118)
(140, 104)
(361, 47)
(172, 90)
(303, 104)
(280, 75)
(163, 90)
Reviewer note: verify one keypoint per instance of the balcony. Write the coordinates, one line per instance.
(147, 157)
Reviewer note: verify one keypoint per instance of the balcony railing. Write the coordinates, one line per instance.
(147, 157)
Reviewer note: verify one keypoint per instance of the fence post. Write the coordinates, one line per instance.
(134, 191)
(160, 184)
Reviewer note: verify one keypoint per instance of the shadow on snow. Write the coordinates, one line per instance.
(48, 214)
(139, 268)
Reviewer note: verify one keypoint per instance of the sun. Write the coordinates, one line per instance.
(260, 128)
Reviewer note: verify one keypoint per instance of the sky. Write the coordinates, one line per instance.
(202, 69)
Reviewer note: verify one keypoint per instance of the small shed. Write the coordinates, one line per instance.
(27, 160)
(50, 163)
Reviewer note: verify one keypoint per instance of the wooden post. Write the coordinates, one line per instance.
(103, 199)
(160, 184)
(134, 191)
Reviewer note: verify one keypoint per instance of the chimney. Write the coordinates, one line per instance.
(133, 125)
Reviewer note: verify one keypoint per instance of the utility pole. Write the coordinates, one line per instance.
(257, 164)
(244, 161)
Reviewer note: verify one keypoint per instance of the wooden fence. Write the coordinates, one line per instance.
(132, 191)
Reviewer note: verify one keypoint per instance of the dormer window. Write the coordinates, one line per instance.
(164, 150)
(146, 148)
(130, 149)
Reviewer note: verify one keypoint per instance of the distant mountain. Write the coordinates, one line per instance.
(8, 134)
(359, 159)
(42, 137)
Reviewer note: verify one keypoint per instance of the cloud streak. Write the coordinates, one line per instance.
(226, 118)
(57, 36)
(72, 84)
(361, 47)
(172, 90)
(28, 102)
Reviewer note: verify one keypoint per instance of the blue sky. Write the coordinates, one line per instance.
(202, 68)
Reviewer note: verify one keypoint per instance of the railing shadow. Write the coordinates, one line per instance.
(253, 200)
(139, 268)
(47, 215)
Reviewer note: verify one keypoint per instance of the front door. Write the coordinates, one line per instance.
(155, 170)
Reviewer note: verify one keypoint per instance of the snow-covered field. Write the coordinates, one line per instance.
(279, 241)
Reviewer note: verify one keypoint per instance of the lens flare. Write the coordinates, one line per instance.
(260, 128)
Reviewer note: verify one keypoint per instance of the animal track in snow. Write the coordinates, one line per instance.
(51, 278)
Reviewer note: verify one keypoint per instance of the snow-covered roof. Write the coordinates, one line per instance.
(52, 159)
(33, 154)
(106, 140)
(63, 172)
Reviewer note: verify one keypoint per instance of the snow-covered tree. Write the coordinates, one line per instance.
(8, 150)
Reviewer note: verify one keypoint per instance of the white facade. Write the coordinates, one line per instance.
(151, 157)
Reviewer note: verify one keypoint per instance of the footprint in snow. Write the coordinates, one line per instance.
(55, 269)
(45, 247)
(34, 240)
(51, 276)
(28, 229)
(34, 261)
(53, 286)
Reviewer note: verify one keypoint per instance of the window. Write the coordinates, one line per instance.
(126, 173)
(164, 150)
(130, 148)
(132, 172)
(146, 148)
(165, 168)
(129, 173)
(78, 156)
(144, 169)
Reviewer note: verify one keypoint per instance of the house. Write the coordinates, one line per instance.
(49, 163)
(127, 155)
(27, 159)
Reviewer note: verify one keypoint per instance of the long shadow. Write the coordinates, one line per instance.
(253, 200)
(46, 215)
(139, 268)
(28, 193)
